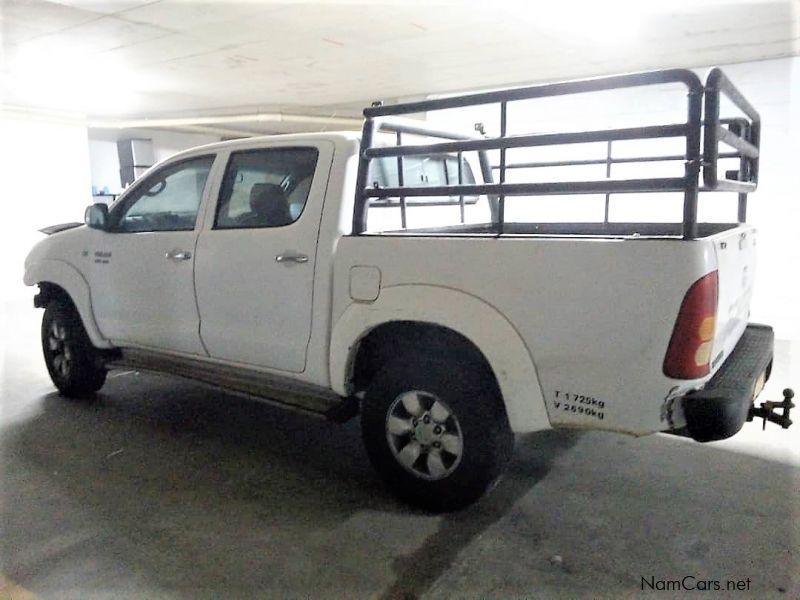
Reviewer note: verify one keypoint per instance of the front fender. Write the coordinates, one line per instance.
(71, 281)
(479, 322)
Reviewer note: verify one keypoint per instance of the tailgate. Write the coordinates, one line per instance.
(735, 252)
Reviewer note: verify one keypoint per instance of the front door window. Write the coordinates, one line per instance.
(168, 200)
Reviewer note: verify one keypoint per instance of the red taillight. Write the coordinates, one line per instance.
(689, 352)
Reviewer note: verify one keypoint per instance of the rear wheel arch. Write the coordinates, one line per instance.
(478, 331)
(392, 339)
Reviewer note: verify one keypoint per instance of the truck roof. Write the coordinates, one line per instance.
(249, 142)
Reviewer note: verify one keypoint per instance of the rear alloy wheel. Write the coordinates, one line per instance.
(436, 432)
(424, 435)
(73, 362)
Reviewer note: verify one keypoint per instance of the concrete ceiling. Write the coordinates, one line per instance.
(130, 58)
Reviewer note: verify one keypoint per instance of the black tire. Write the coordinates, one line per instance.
(74, 364)
(471, 397)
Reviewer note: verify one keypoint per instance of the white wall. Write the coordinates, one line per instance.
(47, 169)
(773, 87)
(105, 160)
(104, 165)
(44, 181)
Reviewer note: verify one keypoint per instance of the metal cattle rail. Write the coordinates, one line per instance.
(740, 133)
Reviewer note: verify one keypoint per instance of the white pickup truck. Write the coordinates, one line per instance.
(402, 275)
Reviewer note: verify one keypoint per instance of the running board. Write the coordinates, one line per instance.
(262, 386)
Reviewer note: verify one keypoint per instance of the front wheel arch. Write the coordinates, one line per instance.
(59, 274)
(50, 291)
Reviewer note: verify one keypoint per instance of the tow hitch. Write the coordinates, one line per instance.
(769, 411)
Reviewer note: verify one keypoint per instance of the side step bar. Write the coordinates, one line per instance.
(266, 387)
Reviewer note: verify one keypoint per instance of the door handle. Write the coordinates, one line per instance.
(178, 255)
(291, 258)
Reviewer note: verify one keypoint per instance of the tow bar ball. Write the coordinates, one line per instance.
(769, 410)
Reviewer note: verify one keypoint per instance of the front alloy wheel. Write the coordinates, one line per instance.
(74, 364)
(60, 351)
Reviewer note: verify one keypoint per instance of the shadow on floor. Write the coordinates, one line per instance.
(533, 458)
(163, 485)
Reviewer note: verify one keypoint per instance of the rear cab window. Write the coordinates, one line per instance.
(392, 214)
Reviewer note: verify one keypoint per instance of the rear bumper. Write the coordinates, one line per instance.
(719, 410)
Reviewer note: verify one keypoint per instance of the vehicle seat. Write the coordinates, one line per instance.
(298, 197)
(268, 206)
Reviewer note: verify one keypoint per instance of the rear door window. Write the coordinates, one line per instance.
(265, 188)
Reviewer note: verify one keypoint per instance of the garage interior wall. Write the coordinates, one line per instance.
(50, 167)
(45, 180)
(104, 158)
(50, 164)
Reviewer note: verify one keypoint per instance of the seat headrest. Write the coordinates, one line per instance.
(268, 201)
(261, 193)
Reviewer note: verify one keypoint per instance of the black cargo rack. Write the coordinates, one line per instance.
(742, 134)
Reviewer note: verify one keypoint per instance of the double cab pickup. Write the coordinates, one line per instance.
(403, 274)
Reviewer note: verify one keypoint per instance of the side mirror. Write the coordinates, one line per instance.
(96, 216)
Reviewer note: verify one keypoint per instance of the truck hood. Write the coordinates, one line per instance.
(66, 246)
(51, 229)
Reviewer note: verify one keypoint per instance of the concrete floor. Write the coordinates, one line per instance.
(167, 489)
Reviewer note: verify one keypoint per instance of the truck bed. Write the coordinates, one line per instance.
(610, 230)
(595, 312)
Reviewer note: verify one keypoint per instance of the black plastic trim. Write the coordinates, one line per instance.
(719, 410)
